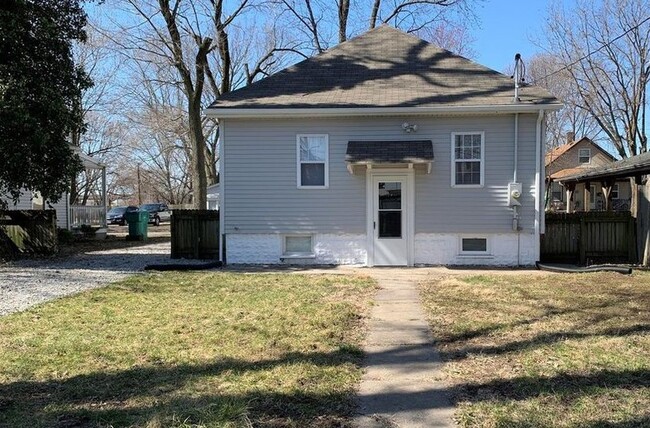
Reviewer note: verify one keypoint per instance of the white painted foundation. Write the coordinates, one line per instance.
(338, 249)
(507, 249)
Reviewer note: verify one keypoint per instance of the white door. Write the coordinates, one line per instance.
(389, 222)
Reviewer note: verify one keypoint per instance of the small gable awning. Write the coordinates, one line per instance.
(389, 153)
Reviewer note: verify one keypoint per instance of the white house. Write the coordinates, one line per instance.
(68, 215)
(384, 150)
(213, 197)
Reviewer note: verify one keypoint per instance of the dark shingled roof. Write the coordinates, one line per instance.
(629, 167)
(364, 152)
(384, 67)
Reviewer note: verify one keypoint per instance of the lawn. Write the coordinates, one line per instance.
(562, 350)
(188, 350)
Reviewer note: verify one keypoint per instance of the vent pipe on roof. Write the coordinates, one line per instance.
(519, 75)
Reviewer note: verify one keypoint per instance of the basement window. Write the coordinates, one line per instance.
(473, 246)
(298, 246)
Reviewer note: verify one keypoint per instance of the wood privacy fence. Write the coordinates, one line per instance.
(195, 234)
(28, 231)
(589, 237)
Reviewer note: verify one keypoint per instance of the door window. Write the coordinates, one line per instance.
(390, 209)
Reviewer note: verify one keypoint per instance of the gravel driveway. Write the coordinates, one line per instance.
(26, 283)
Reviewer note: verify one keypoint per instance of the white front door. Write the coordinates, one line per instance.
(390, 220)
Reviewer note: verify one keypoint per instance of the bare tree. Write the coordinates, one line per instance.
(448, 35)
(193, 39)
(605, 48)
(101, 136)
(573, 117)
(318, 24)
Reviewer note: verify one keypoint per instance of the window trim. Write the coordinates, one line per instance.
(299, 162)
(580, 156)
(454, 160)
(618, 191)
(462, 252)
(286, 255)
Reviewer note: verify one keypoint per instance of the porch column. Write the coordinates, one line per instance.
(607, 193)
(587, 196)
(104, 197)
(570, 188)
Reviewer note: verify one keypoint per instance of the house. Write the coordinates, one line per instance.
(213, 197)
(636, 169)
(68, 216)
(573, 158)
(384, 150)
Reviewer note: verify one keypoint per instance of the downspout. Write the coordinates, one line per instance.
(222, 181)
(514, 175)
(515, 209)
(538, 166)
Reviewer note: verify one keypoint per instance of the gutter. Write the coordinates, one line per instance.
(280, 112)
(538, 167)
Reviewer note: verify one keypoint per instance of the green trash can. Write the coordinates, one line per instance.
(138, 222)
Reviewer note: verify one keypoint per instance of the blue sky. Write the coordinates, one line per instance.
(507, 27)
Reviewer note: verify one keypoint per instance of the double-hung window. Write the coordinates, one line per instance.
(615, 191)
(584, 156)
(313, 161)
(467, 153)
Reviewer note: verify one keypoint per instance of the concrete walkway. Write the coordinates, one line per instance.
(401, 385)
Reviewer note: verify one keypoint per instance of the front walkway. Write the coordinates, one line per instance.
(401, 386)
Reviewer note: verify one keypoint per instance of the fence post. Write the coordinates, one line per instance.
(582, 240)
(631, 240)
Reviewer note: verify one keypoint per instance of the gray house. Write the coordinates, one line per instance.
(384, 150)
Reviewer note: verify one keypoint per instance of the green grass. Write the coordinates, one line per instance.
(545, 350)
(188, 350)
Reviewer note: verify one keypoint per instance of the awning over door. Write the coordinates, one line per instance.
(369, 153)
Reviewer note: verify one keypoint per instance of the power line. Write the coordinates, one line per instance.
(587, 55)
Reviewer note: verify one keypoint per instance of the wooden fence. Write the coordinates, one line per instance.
(589, 237)
(195, 234)
(28, 231)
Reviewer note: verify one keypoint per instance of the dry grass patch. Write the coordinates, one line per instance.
(181, 350)
(538, 351)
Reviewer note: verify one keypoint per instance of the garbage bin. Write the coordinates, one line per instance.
(138, 222)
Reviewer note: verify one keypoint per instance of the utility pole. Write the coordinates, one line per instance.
(139, 187)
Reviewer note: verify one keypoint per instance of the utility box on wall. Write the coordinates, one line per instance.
(514, 194)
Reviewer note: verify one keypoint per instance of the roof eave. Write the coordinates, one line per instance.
(226, 113)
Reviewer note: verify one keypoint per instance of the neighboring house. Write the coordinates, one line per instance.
(332, 160)
(573, 158)
(68, 216)
(634, 169)
(213, 197)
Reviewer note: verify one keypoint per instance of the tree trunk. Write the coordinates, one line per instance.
(344, 10)
(199, 179)
(373, 15)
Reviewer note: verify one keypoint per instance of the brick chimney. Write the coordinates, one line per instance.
(570, 137)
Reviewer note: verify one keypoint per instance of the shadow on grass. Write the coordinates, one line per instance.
(541, 340)
(139, 395)
(135, 396)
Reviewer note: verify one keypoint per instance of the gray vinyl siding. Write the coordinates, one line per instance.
(261, 194)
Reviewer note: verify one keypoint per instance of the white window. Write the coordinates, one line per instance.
(313, 159)
(557, 192)
(584, 156)
(592, 194)
(473, 246)
(297, 245)
(467, 151)
(615, 191)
